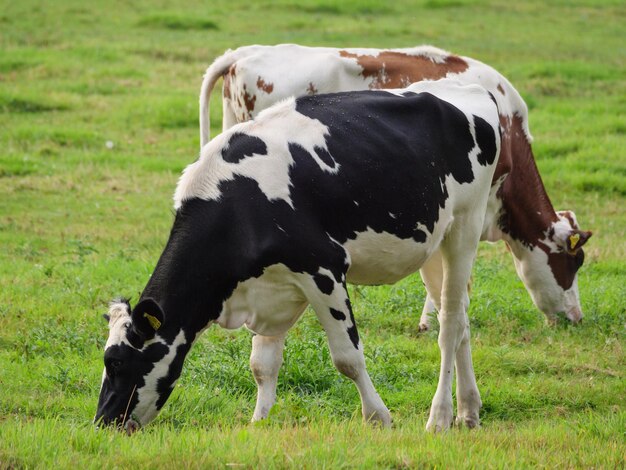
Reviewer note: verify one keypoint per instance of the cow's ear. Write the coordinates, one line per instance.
(147, 317)
(575, 240)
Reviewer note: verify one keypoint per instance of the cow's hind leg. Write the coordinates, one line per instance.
(458, 251)
(335, 314)
(467, 394)
(468, 398)
(229, 118)
(432, 275)
(265, 361)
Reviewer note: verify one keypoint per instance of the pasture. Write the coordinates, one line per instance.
(98, 116)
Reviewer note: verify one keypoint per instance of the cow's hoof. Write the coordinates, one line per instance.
(380, 417)
(423, 327)
(470, 422)
(440, 419)
(260, 415)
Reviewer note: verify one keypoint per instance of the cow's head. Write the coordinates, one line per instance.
(143, 358)
(549, 269)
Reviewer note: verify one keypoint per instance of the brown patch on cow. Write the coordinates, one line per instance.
(500, 89)
(505, 162)
(311, 90)
(527, 212)
(391, 69)
(266, 87)
(248, 99)
(564, 267)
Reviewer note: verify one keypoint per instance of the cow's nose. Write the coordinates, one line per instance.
(575, 315)
(131, 426)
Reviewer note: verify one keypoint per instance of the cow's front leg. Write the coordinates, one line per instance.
(265, 361)
(458, 251)
(346, 349)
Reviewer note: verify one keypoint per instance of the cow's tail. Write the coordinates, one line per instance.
(216, 70)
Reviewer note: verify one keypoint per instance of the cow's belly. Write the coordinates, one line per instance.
(268, 305)
(382, 258)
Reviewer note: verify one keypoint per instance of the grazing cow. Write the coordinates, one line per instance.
(546, 245)
(281, 212)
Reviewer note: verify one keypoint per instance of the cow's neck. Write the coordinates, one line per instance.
(185, 286)
(526, 214)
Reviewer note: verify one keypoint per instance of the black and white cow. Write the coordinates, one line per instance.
(546, 245)
(281, 212)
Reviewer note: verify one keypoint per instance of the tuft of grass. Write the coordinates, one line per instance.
(11, 104)
(438, 4)
(177, 22)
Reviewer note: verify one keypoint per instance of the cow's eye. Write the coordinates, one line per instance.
(113, 365)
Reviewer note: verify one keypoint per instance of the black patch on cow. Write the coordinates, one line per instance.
(337, 314)
(394, 154)
(486, 140)
(325, 284)
(241, 146)
(352, 331)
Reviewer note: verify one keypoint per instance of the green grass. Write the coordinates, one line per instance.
(83, 221)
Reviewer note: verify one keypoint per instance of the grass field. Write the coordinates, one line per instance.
(98, 116)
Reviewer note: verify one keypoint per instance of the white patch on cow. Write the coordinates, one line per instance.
(211, 166)
(328, 273)
(433, 53)
(268, 305)
(383, 258)
(277, 127)
(569, 215)
(119, 322)
(556, 237)
(146, 409)
(562, 230)
(392, 215)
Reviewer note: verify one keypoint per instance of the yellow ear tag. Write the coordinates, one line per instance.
(154, 321)
(573, 240)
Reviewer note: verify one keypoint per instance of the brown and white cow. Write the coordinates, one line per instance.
(546, 245)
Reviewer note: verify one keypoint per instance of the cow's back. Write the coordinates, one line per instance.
(264, 75)
(347, 164)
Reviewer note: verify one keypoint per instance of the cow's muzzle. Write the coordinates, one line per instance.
(575, 315)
